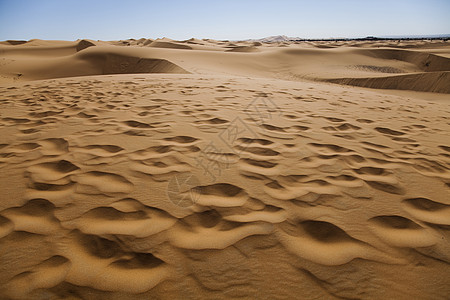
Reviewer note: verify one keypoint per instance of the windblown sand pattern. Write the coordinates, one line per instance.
(213, 186)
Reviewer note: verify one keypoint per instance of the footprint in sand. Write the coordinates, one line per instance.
(97, 182)
(399, 231)
(276, 132)
(6, 226)
(325, 243)
(258, 151)
(101, 264)
(125, 217)
(249, 141)
(297, 128)
(257, 167)
(97, 154)
(328, 149)
(16, 121)
(44, 275)
(211, 125)
(388, 131)
(379, 179)
(445, 148)
(36, 216)
(273, 128)
(137, 124)
(428, 210)
(52, 172)
(25, 147)
(429, 167)
(209, 230)
(212, 121)
(160, 168)
(365, 121)
(346, 127)
(221, 195)
(334, 120)
(386, 187)
(103, 150)
(255, 155)
(152, 152)
(182, 139)
(53, 146)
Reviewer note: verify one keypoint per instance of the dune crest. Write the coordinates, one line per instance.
(435, 82)
(111, 63)
(83, 44)
(364, 64)
(170, 45)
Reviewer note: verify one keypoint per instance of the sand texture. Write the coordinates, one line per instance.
(205, 169)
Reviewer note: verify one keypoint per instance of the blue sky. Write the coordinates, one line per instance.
(232, 19)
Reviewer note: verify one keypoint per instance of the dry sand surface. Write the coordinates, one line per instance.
(224, 170)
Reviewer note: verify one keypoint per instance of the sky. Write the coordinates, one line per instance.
(231, 19)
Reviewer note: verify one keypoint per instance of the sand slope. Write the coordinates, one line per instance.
(436, 82)
(418, 68)
(185, 186)
(203, 169)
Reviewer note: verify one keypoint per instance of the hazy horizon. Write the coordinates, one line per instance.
(232, 20)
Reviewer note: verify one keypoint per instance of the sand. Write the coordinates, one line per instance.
(203, 169)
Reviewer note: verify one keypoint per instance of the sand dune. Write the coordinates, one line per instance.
(436, 82)
(366, 66)
(83, 44)
(425, 61)
(238, 175)
(111, 63)
(243, 49)
(13, 42)
(169, 45)
(77, 60)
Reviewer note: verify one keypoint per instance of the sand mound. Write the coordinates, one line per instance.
(193, 41)
(425, 61)
(139, 65)
(168, 45)
(58, 62)
(147, 42)
(141, 40)
(121, 43)
(14, 42)
(83, 44)
(132, 42)
(112, 63)
(320, 46)
(436, 82)
(243, 49)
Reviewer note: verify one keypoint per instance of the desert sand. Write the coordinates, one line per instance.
(203, 169)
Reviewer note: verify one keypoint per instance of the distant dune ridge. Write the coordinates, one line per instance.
(243, 49)
(112, 63)
(362, 63)
(204, 169)
(168, 45)
(83, 44)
